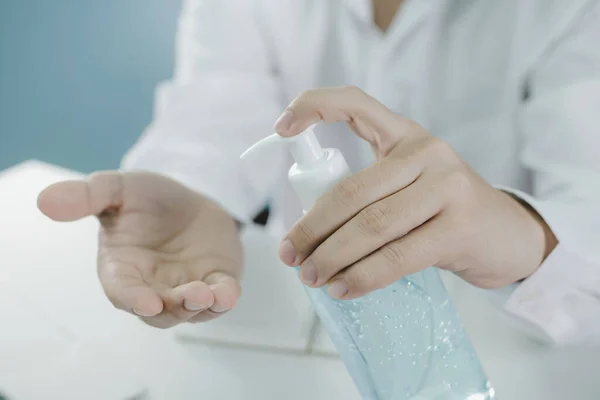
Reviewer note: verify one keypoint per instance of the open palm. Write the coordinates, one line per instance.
(166, 253)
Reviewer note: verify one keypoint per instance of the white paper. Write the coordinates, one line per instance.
(80, 373)
(27, 337)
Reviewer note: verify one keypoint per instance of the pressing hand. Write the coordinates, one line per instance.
(419, 205)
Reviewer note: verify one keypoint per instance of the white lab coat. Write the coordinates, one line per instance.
(513, 85)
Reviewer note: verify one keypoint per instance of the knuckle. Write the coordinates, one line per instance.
(105, 192)
(441, 149)
(373, 221)
(416, 127)
(349, 191)
(438, 146)
(305, 233)
(409, 125)
(111, 179)
(362, 280)
(98, 175)
(354, 90)
(458, 184)
(393, 256)
(305, 95)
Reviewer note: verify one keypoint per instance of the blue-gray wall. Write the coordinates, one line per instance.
(77, 77)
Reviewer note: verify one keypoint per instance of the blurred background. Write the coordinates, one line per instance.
(77, 77)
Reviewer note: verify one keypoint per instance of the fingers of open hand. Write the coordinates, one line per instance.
(197, 301)
(162, 305)
(226, 291)
(127, 291)
(158, 304)
(179, 304)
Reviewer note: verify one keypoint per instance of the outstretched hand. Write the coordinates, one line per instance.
(165, 253)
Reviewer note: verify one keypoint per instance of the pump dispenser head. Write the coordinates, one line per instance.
(316, 169)
(304, 147)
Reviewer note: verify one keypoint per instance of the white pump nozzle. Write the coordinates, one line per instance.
(316, 169)
(305, 147)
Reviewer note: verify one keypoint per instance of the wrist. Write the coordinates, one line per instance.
(549, 239)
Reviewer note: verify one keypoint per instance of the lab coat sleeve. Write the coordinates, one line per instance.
(560, 123)
(224, 96)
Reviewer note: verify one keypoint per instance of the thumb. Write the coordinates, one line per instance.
(72, 200)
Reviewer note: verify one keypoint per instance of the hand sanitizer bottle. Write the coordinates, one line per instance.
(402, 342)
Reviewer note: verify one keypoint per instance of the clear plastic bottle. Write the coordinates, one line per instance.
(403, 342)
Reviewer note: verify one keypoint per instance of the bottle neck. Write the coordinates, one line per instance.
(306, 151)
(310, 183)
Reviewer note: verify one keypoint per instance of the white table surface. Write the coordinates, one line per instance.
(59, 331)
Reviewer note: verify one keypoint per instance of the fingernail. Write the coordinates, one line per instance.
(287, 252)
(338, 288)
(284, 122)
(218, 308)
(143, 314)
(308, 273)
(193, 306)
